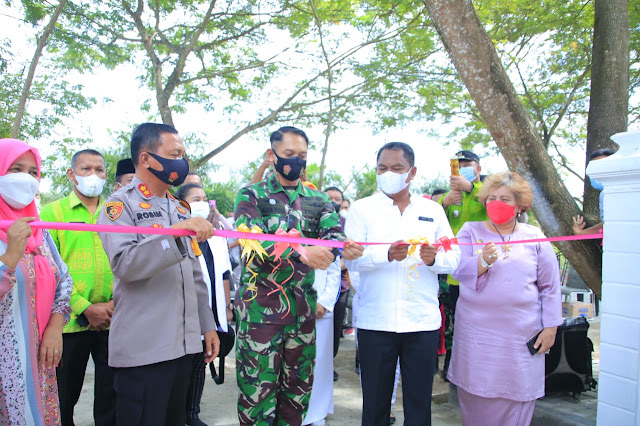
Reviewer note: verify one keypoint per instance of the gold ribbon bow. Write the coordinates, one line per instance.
(251, 248)
(415, 242)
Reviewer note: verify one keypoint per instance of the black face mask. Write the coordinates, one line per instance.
(336, 206)
(290, 168)
(174, 171)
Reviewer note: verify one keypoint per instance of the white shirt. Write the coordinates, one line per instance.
(222, 264)
(389, 299)
(327, 284)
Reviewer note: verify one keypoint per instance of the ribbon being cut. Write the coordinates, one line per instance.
(251, 248)
(253, 234)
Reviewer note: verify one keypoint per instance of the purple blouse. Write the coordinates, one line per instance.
(500, 310)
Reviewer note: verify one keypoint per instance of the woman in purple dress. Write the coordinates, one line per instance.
(508, 293)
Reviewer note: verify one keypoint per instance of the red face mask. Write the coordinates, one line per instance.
(500, 212)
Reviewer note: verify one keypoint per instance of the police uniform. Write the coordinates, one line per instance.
(161, 306)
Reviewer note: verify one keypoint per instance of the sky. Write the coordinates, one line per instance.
(353, 146)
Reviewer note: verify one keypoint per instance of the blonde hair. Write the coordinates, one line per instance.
(514, 182)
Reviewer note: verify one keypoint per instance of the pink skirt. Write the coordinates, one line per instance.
(480, 411)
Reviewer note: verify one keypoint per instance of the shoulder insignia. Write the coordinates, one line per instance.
(114, 209)
(185, 205)
(156, 225)
(181, 210)
(173, 176)
(170, 195)
(145, 205)
(144, 190)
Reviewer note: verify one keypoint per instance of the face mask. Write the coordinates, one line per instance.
(391, 183)
(199, 209)
(336, 206)
(18, 189)
(90, 186)
(468, 173)
(343, 213)
(174, 172)
(596, 184)
(500, 212)
(290, 168)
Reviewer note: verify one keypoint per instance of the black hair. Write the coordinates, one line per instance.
(438, 192)
(346, 201)
(77, 155)
(276, 137)
(333, 188)
(601, 152)
(399, 146)
(184, 190)
(146, 137)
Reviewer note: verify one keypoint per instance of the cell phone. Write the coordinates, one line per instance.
(531, 343)
(212, 203)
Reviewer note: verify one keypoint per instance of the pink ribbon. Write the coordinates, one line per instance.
(4, 224)
(281, 246)
(445, 243)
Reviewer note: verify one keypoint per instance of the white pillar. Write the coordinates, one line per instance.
(619, 380)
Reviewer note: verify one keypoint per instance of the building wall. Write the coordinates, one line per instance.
(619, 380)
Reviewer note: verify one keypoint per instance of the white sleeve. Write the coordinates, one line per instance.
(328, 294)
(355, 228)
(446, 261)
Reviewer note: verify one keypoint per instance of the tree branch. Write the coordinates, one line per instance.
(26, 89)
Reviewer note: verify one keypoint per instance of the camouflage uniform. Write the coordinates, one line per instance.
(276, 325)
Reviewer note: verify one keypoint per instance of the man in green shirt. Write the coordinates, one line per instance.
(91, 299)
(461, 205)
(276, 302)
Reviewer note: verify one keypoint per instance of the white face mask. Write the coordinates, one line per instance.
(391, 183)
(199, 209)
(90, 186)
(343, 213)
(18, 189)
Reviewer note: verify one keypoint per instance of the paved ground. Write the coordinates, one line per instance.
(219, 401)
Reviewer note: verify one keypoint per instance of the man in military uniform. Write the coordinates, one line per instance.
(276, 302)
(461, 205)
(161, 302)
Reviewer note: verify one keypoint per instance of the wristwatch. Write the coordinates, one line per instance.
(230, 306)
(336, 253)
(484, 263)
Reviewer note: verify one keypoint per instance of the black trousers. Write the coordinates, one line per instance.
(379, 353)
(76, 348)
(153, 395)
(196, 385)
(338, 318)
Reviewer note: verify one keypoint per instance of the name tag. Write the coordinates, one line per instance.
(425, 219)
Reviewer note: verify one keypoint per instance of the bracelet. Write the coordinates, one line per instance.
(484, 263)
(230, 306)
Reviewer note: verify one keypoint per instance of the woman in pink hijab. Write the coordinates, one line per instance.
(34, 296)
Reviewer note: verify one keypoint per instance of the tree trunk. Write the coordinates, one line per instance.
(609, 103)
(26, 89)
(477, 62)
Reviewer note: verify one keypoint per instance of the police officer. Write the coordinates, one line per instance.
(161, 305)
